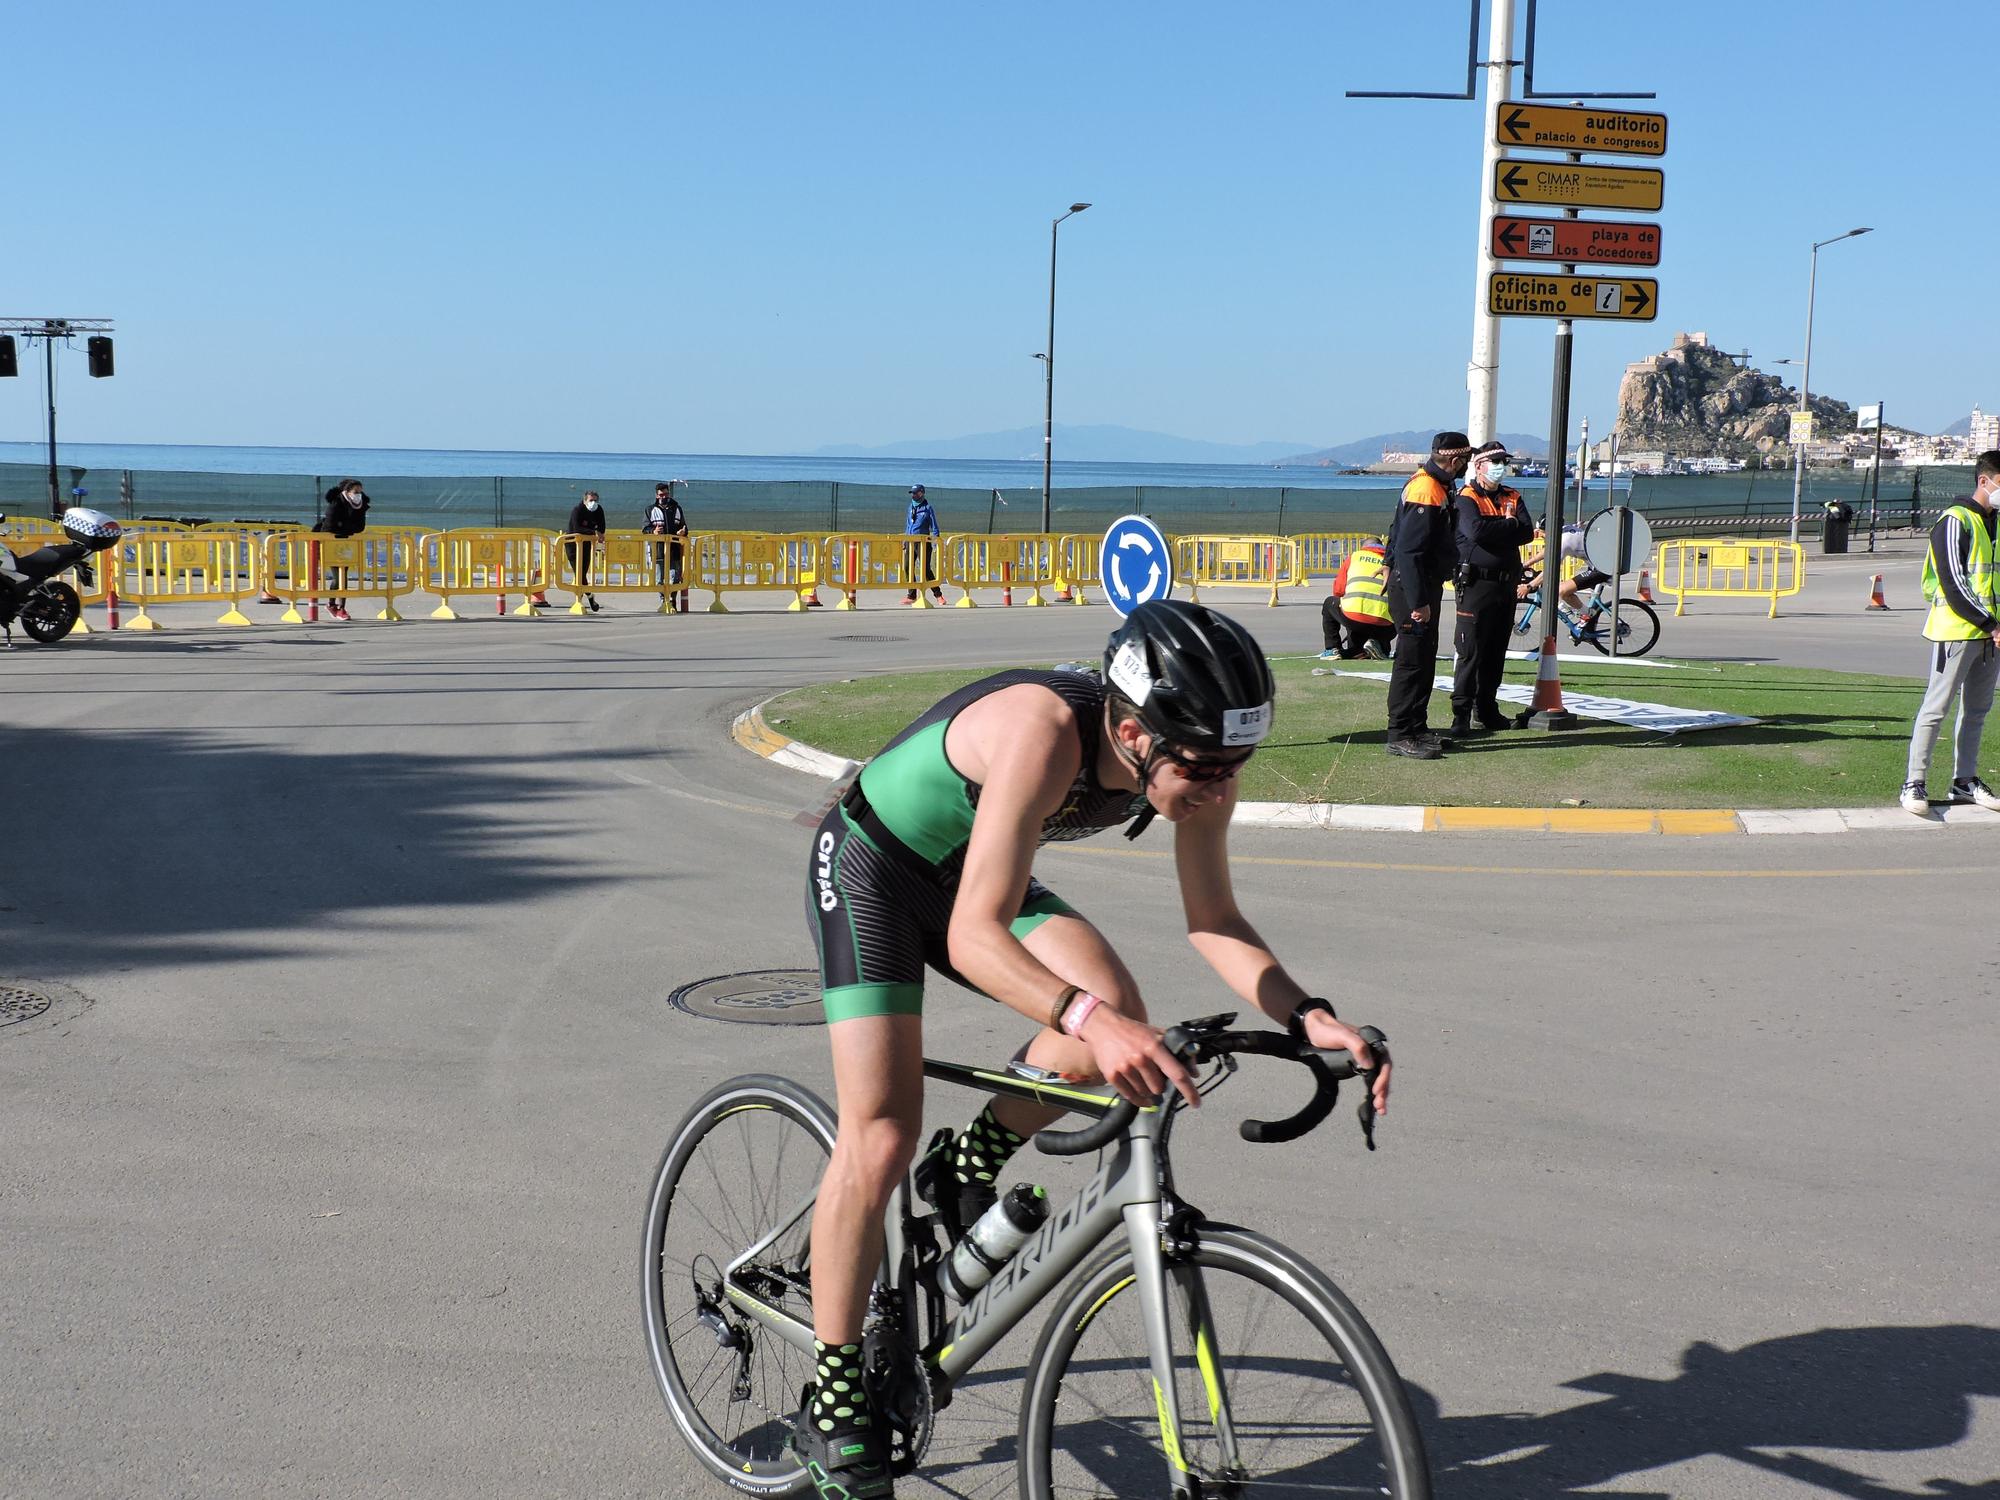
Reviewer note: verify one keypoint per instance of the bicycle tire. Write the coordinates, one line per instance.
(1639, 628)
(1376, 1450)
(755, 1121)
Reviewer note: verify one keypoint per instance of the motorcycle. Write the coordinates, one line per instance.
(32, 590)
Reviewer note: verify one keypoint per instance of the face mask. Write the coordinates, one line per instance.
(590, 505)
(1497, 473)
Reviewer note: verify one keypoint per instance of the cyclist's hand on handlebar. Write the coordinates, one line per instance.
(1323, 1031)
(1131, 1058)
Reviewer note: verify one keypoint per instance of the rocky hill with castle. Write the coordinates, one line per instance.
(1696, 401)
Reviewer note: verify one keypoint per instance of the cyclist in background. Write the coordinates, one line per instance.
(1568, 590)
(927, 861)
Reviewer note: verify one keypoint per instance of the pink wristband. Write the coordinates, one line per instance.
(1079, 1012)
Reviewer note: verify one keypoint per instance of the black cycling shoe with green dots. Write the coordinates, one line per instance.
(836, 1437)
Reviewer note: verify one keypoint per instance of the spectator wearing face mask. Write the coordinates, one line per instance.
(586, 527)
(1493, 525)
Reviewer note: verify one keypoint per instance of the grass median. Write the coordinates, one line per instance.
(1827, 739)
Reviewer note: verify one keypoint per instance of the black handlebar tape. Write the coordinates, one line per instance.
(1092, 1137)
(1326, 1091)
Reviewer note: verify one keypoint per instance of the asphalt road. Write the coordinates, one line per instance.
(327, 1179)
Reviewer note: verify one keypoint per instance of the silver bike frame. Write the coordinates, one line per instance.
(1125, 1188)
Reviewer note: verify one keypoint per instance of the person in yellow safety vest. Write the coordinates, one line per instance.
(1964, 629)
(1354, 618)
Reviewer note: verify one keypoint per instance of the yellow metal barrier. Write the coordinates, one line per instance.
(621, 562)
(181, 567)
(482, 560)
(1077, 563)
(852, 561)
(779, 562)
(1322, 552)
(1252, 562)
(979, 561)
(312, 566)
(1730, 569)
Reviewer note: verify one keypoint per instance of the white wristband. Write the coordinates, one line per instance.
(1079, 1012)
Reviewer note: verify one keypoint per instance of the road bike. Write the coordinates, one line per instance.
(1638, 623)
(1188, 1359)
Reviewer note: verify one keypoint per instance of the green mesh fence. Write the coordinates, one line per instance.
(1758, 502)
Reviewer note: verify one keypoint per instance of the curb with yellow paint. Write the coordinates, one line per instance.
(753, 733)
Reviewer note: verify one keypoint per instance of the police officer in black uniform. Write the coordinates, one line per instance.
(1493, 526)
(1422, 554)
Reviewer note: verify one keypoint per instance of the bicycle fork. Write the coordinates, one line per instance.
(1153, 1274)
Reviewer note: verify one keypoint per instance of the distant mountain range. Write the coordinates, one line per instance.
(1088, 444)
(1369, 450)
(1131, 445)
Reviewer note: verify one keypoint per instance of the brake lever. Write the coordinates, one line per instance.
(1378, 1044)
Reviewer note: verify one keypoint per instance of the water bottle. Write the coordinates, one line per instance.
(998, 1234)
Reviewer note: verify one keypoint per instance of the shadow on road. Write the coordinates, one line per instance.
(1857, 1390)
(130, 846)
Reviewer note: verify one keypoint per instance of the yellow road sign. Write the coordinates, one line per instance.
(1579, 185)
(1515, 294)
(1559, 127)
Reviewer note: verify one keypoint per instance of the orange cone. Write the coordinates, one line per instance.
(1875, 599)
(1645, 586)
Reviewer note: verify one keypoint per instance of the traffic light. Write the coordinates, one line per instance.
(100, 356)
(9, 363)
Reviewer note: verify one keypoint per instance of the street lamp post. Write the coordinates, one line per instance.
(1048, 359)
(1805, 378)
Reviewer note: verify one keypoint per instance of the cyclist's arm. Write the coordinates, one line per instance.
(1240, 957)
(1028, 771)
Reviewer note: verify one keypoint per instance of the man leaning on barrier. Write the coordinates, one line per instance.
(1963, 628)
(586, 526)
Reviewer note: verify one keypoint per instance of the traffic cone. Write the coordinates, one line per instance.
(1875, 599)
(1646, 585)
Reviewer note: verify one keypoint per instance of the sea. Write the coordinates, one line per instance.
(950, 473)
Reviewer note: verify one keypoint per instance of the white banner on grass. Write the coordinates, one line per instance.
(1657, 717)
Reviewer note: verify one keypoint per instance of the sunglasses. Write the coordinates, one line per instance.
(1204, 770)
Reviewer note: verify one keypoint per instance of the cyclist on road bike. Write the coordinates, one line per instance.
(928, 861)
(1568, 590)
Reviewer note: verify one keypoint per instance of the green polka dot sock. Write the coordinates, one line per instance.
(982, 1149)
(838, 1402)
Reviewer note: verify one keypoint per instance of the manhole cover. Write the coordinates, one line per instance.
(31, 1007)
(871, 638)
(760, 997)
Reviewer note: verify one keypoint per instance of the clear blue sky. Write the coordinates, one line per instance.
(765, 227)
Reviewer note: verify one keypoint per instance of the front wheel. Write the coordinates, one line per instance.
(735, 1184)
(51, 612)
(1638, 629)
(1282, 1387)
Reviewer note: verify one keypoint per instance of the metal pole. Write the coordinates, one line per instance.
(1554, 716)
(1482, 374)
(1049, 381)
(55, 485)
(1582, 467)
(1875, 476)
(1623, 542)
(1805, 396)
(1611, 494)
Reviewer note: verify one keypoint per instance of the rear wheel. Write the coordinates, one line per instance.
(51, 612)
(1638, 629)
(742, 1169)
(1282, 1388)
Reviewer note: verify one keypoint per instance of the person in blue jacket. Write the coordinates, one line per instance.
(921, 557)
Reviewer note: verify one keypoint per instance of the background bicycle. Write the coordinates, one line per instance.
(1638, 622)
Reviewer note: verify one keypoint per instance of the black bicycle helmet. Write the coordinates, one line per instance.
(1198, 679)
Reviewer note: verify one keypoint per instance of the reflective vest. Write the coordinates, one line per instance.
(1944, 623)
(1367, 595)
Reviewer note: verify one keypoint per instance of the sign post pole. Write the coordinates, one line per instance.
(1482, 374)
(1549, 712)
